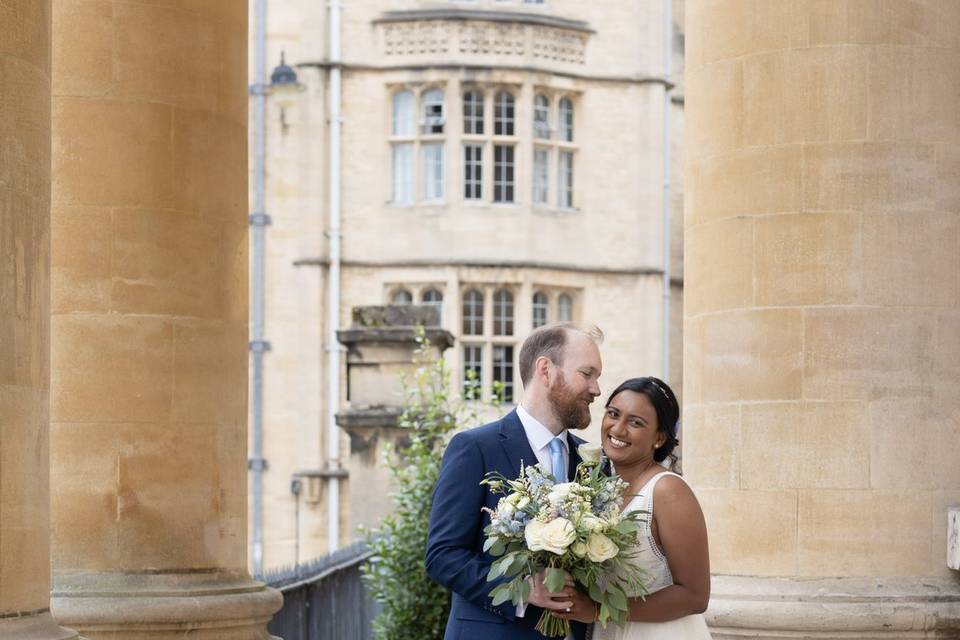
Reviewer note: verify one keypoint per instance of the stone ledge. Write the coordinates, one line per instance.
(34, 627)
(440, 338)
(362, 419)
(834, 608)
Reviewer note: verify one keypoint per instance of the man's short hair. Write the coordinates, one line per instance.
(550, 340)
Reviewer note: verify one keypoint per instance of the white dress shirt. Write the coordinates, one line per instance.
(539, 437)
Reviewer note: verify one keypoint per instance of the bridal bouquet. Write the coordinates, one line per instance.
(542, 525)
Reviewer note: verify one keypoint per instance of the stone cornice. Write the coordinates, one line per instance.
(447, 66)
(499, 264)
(454, 14)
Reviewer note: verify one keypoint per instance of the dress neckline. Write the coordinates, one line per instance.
(639, 493)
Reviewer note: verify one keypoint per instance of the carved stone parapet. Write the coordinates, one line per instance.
(834, 608)
(206, 605)
(514, 38)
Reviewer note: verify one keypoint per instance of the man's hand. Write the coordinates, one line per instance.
(540, 596)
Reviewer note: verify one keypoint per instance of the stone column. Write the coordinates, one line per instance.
(24, 322)
(822, 318)
(149, 321)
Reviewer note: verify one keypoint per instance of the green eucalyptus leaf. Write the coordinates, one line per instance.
(501, 594)
(554, 580)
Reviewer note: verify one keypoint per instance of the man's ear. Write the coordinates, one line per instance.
(542, 367)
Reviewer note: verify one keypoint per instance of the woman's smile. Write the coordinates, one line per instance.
(617, 443)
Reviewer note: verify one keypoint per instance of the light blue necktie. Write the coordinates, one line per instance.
(556, 460)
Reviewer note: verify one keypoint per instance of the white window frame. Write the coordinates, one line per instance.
(401, 292)
(473, 157)
(565, 168)
(540, 309)
(565, 307)
(541, 174)
(488, 338)
(418, 146)
(504, 173)
(554, 181)
(504, 113)
(432, 170)
(541, 117)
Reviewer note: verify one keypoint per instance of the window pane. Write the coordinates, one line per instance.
(502, 173)
(503, 313)
(473, 112)
(432, 171)
(565, 180)
(564, 308)
(472, 313)
(403, 114)
(403, 173)
(541, 308)
(503, 370)
(541, 117)
(472, 370)
(401, 296)
(473, 171)
(434, 298)
(566, 120)
(433, 120)
(503, 114)
(541, 177)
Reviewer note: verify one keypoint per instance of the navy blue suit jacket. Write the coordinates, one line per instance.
(455, 556)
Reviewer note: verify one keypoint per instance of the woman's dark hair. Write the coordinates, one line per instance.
(665, 404)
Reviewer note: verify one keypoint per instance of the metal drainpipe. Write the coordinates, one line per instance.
(258, 222)
(333, 287)
(667, 71)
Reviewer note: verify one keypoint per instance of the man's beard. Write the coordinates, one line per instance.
(567, 406)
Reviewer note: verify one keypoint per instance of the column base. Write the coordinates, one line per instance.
(834, 609)
(207, 605)
(34, 626)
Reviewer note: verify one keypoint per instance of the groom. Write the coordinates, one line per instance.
(559, 368)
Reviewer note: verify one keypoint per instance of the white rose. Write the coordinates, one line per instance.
(579, 549)
(557, 535)
(590, 522)
(533, 534)
(505, 509)
(590, 452)
(560, 492)
(522, 503)
(600, 548)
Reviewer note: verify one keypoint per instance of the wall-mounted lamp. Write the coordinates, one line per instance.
(284, 85)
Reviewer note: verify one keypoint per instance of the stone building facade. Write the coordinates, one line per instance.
(503, 161)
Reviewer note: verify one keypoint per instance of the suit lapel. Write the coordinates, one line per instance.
(515, 444)
(572, 443)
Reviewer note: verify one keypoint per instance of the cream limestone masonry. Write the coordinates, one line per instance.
(607, 252)
(24, 323)
(822, 319)
(149, 322)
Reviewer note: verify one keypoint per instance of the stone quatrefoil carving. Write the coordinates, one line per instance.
(431, 37)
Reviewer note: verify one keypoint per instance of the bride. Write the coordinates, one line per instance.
(639, 433)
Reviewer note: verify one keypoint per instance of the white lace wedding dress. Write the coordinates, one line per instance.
(649, 556)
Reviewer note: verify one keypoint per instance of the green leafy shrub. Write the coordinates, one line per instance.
(414, 606)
